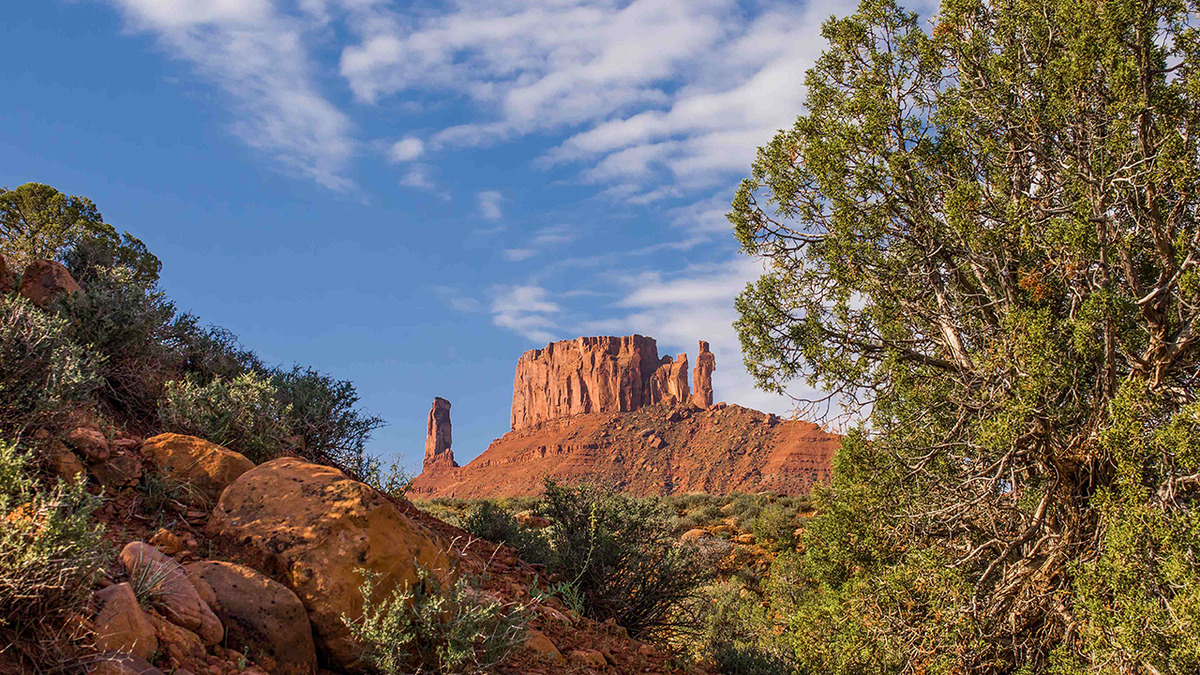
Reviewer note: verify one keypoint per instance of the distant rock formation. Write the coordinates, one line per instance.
(706, 363)
(584, 375)
(669, 383)
(437, 435)
(608, 410)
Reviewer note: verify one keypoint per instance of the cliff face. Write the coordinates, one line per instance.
(584, 375)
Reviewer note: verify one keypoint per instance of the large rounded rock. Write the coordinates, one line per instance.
(313, 529)
(208, 467)
(174, 594)
(260, 612)
(45, 280)
(122, 626)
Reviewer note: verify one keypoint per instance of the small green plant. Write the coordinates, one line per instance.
(50, 549)
(396, 481)
(147, 579)
(487, 520)
(241, 414)
(435, 627)
(42, 371)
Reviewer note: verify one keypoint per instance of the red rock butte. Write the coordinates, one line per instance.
(609, 410)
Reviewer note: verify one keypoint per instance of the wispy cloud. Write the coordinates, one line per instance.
(258, 57)
(518, 254)
(417, 177)
(489, 204)
(527, 310)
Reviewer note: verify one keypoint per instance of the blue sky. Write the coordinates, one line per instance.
(409, 195)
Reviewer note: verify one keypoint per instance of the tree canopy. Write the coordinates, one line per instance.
(984, 236)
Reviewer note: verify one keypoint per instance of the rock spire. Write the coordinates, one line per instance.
(706, 363)
(437, 435)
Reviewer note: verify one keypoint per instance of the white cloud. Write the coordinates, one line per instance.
(457, 301)
(406, 149)
(518, 254)
(489, 204)
(259, 58)
(526, 310)
(417, 177)
(696, 303)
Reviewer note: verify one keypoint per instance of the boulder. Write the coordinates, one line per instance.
(695, 534)
(538, 643)
(67, 464)
(117, 663)
(45, 280)
(124, 470)
(313, 529)
(532, 520)
(588, 658)
(746, 539)
(168, 543)
(90, 443)
(208, 467)
(260, 612)
(178, 642)
(121, 625)
(176, 597)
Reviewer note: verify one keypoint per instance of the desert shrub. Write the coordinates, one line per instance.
(436, 628)
(41, 369)
(395, 480)
(322, 410)
(775, 526)
(241, 414)
(208, 352)
(738, 635)
(127, 322)
(489, 521)
(49, 547)
(621, 552)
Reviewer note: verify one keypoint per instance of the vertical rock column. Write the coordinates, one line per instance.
(669, 384)
(437, 435)
(706, 363)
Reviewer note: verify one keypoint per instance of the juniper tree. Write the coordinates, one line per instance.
(983, 236)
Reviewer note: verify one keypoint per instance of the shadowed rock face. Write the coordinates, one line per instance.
(437, 435)
(670, 382)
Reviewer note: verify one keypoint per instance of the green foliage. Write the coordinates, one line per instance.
(621, 553)
(39, 222)
(96, 251)
(985, 237)
(129, 324)
(775, 526)
(322, 410)
(207, 352)
(489, 521)
(50, 549)
(435, 627)
(42, 371)
(396, 481)
(241, 414)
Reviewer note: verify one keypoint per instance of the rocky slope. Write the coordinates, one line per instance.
(607, 409)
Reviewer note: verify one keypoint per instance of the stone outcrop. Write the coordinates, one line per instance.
(207, 467)
(584, 375)
(670, 381)
(175, 596)
(437, 435)
(312, 529)
(45, 280)
(706, 363)
(260, 611)
(122, 626)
